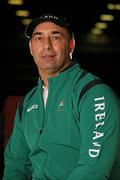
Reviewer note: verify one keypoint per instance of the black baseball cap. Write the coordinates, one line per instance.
(57, 19)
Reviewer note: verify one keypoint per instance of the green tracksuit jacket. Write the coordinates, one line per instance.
(77, 136)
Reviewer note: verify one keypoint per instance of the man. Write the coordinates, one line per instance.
(68, 126)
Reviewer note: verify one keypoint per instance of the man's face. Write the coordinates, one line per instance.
(50, 47)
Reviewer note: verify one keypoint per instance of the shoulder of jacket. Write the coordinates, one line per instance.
(87, 81)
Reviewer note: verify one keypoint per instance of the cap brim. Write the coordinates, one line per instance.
(59, 20)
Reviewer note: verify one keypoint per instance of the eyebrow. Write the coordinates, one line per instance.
(52, 32)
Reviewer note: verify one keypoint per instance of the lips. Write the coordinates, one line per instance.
(48, 57)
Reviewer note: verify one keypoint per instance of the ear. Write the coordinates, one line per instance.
(72, 45)
(30, 48)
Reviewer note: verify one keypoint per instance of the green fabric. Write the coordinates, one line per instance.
(72, 139)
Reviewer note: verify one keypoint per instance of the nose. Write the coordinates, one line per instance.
(47, 43)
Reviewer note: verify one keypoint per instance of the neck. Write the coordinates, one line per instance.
(45, 75)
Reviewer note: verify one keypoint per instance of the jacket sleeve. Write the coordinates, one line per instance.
(99, 115)
(16, 155)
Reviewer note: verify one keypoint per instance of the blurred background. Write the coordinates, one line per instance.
(96, 26)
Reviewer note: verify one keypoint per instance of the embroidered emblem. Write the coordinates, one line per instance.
(60, 107)
(34, 106)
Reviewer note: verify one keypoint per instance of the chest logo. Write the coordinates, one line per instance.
(60, 106)
(34, 106)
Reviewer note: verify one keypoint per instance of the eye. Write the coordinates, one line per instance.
(56, 37)
(38, 38)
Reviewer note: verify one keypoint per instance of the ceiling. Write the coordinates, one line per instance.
(99, 53)
(82, 15)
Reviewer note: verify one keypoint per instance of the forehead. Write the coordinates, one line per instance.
(49, 27)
